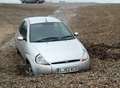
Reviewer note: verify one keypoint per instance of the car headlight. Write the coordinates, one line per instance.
(39, 59)
(85, 57)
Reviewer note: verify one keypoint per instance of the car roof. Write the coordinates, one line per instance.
(42, 19)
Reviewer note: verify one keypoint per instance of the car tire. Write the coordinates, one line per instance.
(28, 69)
(23, 1)
(38, 2)
(18, 52)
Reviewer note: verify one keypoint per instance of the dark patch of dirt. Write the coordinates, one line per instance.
(103, 51)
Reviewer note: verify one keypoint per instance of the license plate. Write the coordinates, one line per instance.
(68, 69)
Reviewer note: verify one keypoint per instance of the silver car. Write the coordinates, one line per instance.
(48, 46)
(32, 1)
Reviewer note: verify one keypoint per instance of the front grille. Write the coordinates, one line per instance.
(68, 61)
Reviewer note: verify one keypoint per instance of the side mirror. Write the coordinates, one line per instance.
(20, 38)
(76, 34)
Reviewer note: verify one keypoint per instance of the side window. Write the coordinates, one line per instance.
(23, 30)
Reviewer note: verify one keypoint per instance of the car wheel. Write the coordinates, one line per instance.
(28, 70)
(23, 2)
(18, 52)
(38, 2)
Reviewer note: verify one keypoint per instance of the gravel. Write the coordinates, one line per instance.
(105, 58)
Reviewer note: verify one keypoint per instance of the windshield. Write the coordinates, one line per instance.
(50, 31)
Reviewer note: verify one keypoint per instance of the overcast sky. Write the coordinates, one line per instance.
(99, 1)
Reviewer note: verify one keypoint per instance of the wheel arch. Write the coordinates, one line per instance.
(30, 61)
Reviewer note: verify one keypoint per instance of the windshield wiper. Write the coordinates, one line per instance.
(67, 37)
(48, 39)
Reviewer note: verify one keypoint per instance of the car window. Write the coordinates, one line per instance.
(23, 30)
(49, 29)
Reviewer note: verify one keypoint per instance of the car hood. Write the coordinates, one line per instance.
(58, 51)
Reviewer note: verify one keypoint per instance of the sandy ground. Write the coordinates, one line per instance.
(99, 31)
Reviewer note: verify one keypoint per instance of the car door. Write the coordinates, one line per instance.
(23, 43)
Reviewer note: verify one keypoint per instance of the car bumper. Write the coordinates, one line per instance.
(61, 68)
